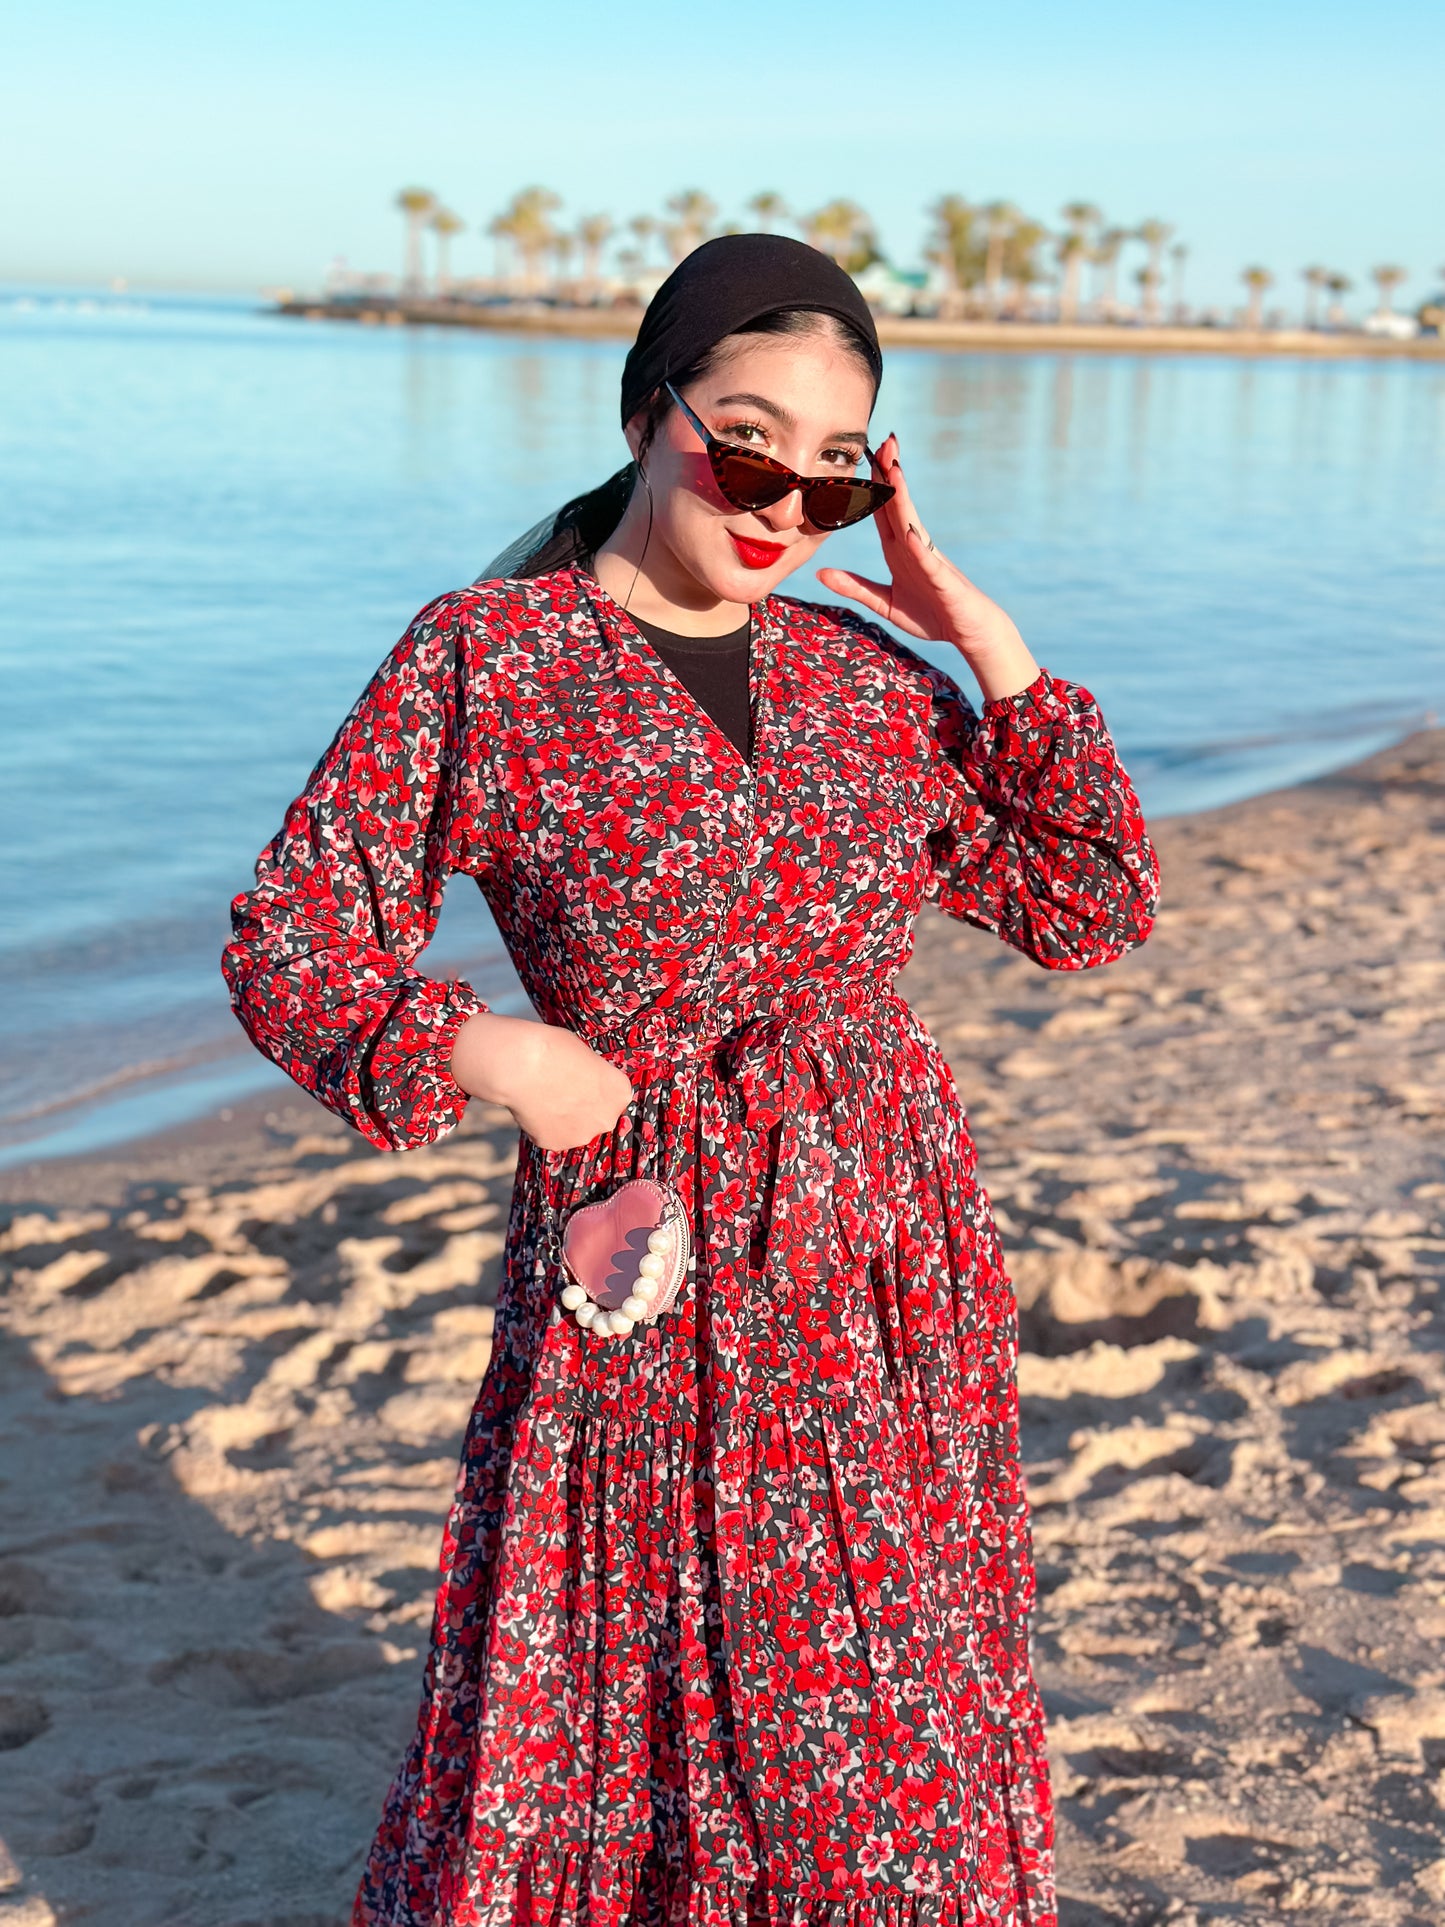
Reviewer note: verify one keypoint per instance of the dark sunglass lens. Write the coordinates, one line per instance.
(749, 481)
(833, 505)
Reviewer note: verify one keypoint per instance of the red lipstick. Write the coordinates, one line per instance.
(756, 555)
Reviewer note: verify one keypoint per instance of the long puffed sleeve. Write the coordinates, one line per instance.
(1040, 837)
(320, 968)
(1036, 831)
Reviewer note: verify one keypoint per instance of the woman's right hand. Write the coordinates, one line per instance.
(560, 1090)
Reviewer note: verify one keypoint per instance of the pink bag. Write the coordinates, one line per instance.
(604, 1243)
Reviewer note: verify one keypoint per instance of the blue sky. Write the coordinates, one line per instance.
(238, 147)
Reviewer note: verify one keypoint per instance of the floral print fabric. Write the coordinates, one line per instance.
(733, 1617)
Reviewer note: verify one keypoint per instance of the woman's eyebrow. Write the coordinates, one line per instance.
(780, 414)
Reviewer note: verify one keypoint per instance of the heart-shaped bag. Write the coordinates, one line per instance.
(603, 1245)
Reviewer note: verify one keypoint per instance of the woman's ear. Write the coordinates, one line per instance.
(635, 430)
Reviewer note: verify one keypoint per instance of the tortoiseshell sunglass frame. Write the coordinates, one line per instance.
(864, 497)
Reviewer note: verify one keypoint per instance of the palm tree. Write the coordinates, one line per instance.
(526, 222)
(1154, 233)
(1314, 279)
(694, 215)
(1339, 286)
(1000, 218)
(1256, 280)
(444, 224)
(954, 247)
(416, 203)
(1105, 256)
(1179, 254)
(642, 227)
(562, 247)
(843, 231)
(594, 231)
(1147, 279)
(1020, 260)
(1082, 216)
(1387, 279)
(766, 208)
(1071, 250)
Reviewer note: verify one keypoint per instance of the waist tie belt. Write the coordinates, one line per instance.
(669, 1030)
(801, 1130)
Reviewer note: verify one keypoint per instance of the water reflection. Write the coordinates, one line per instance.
(1244, 408)
(1141, 381)
(1380, 393)
(1063, 408)
(429, 402)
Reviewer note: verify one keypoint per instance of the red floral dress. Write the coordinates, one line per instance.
(733, 1618)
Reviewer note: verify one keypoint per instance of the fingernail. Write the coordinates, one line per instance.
(912, 530)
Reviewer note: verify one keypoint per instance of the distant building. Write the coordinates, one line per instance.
(889, 290)
(1396, 327)
(638, 288)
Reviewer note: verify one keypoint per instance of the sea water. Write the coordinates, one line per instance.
(217, 521)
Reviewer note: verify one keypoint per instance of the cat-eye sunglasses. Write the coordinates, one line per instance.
(747, 480)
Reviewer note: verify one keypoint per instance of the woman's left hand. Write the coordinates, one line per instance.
(930, 597)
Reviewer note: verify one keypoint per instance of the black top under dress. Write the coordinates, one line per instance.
(714, 670)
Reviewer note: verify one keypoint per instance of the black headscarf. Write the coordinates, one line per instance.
(722, 286)
(714, 291)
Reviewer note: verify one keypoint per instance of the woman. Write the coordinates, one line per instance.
(733, 1617)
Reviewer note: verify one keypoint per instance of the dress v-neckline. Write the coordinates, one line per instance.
(620, 626)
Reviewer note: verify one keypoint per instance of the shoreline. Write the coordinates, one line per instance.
(249, 1086)
(208, 1139)
(1025, 337)
(240, 1358)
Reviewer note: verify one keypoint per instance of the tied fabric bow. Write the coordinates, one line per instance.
(799, 1092)
(805, 1200)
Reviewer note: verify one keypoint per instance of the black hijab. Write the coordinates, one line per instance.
(722, 286)
(719, 288)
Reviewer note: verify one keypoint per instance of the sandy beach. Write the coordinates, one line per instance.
(239, 1359)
